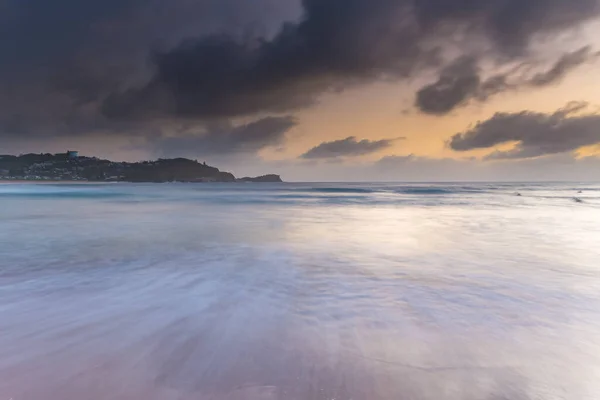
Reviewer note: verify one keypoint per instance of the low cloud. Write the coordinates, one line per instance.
(551, 168)
(415, 168)
(349, 147)
(224, 139)
(535, 134)
(460, 82)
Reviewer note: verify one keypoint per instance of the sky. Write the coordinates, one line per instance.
(315, 90)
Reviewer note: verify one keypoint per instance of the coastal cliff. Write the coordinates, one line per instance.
(71, 167)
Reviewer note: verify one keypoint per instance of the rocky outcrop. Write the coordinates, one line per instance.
(263, 179)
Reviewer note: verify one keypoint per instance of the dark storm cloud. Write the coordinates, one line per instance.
(535, 134)
(460, 82)
(337, 43)
(73, 67)
(349, 147)
(60, 59)
(47, 34)
(40, 33)
(225, 139)
(510, 23)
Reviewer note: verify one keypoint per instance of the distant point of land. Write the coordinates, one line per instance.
(70, 166)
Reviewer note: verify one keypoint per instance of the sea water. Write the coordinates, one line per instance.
(299, 291)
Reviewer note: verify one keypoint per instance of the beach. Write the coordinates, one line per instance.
(299, 291)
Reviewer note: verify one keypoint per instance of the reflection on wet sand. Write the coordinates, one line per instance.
(181, 299)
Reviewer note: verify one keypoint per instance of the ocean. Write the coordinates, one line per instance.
(299, 291)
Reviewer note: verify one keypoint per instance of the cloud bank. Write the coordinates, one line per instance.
(338, 43)
(535, 134)
(349, 147)
(460, 82)
(184, 74)
(226, 139)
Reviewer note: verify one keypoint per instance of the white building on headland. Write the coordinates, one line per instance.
(72, 154)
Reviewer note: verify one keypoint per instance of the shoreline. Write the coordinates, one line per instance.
(21, 181)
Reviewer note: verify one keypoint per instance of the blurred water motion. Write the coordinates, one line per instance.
(299, 292)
